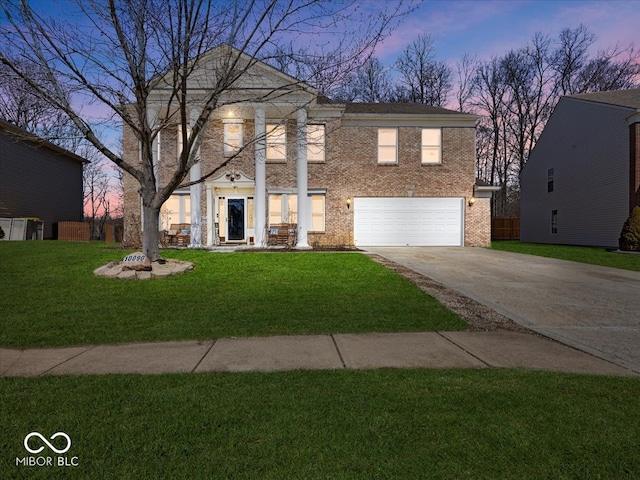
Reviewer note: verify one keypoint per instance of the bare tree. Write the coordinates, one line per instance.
(21, 105)
(576, 71)
(570, 58)
(423, 78)
(465, 72)
(137, 60)
(96, 189)
(370, 83)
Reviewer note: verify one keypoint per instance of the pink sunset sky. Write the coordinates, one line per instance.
(485, 28)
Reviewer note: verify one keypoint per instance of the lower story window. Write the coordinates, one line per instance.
(177, 209)
(283, 208)
(554, 221)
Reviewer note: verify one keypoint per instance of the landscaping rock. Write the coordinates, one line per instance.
(124, 270)
(137, 261)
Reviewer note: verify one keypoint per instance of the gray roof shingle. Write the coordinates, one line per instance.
(397, 108)
(624, 98)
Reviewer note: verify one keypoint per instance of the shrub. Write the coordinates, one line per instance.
(630, 235)
(1, 233)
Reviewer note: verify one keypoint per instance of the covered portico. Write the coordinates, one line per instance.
(236, 203)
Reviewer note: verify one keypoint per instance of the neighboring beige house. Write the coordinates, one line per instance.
(369, 174)
(583, 177)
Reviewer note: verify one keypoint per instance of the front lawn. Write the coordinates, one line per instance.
(327, 424)
(592, 255)
(50, 297)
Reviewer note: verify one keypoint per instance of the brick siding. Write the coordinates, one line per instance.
(350, 170)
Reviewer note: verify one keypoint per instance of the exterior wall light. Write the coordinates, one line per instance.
(348, 202)
(472, 200)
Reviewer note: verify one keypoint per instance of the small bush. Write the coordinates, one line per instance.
(1, 233)
(630, 235)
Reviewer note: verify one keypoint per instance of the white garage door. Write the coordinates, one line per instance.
(408, 222)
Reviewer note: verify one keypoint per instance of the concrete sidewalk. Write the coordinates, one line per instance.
(438, 350)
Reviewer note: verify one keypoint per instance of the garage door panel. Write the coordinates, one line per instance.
(408, 221)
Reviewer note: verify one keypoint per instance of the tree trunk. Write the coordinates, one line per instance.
(150, 234)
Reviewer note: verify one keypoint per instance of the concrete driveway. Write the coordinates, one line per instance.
(595, 309)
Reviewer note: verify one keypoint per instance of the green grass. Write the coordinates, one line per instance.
(409, 424)
(592, 255)
(50, 297)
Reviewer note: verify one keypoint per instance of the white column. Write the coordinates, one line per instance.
(210, 214)
(261, 177)
(301, 174)
(195, 191)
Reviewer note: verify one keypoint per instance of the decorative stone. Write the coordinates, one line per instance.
(155, 270)
(137, 261)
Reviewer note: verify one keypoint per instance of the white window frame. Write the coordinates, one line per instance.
(181, 215)
(287, 216)
(233, 143)
(318, 142)
(431, 146)
(387, 147)
(276, 140)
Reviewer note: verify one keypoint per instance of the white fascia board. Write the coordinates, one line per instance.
(484, 191)
(633, 118)
(294, 191)
(320, 112)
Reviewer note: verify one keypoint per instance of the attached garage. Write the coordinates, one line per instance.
(391, 222)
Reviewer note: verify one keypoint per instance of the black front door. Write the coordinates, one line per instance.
(235, 218)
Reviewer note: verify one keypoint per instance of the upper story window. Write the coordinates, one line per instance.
(276, 142)
(554, 221)
(315, 143)
(387, 145)
(431, 146)
(550, 177)
(232, 137)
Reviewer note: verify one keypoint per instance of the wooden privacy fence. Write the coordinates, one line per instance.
(505, 228)
(73, 231)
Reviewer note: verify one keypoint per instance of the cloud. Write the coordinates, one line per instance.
(490, 28)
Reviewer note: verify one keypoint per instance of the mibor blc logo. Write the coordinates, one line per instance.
(57, 446)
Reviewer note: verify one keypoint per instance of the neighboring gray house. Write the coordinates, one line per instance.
(38, 179)
(583, 176)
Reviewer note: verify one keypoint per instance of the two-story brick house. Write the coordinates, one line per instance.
(370, 174)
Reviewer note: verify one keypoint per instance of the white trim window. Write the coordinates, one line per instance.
(387, 145)
(177, 209)
(315, 143)
(232, 137)
(283, 208)
(276, 142)
(317, 213)
(431, 146)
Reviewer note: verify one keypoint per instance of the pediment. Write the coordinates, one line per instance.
(256, 81)
(231, 177)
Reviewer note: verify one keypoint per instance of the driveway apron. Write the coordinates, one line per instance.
(592, 308)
